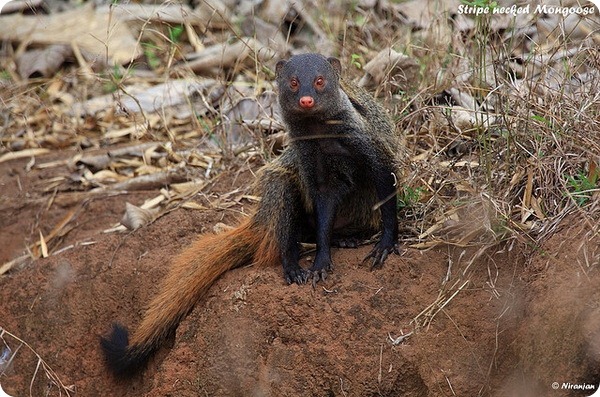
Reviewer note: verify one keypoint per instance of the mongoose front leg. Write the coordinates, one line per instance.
(386, 192)
(292, 271)
(280, 211)
(325, 209)
(288, 235)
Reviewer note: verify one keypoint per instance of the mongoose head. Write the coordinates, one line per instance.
(309, 86)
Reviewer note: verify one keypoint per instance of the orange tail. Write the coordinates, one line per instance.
(192, 273)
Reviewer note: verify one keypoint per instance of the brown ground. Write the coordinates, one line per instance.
(527, 318)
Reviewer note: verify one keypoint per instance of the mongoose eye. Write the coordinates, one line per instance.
(294, 84)
(320, 82)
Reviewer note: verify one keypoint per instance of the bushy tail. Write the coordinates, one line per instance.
(192, 273)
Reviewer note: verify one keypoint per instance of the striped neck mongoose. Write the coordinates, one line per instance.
(335, 178)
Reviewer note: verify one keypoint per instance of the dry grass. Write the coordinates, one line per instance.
(529, 160)
(506, 170)
(53, 383)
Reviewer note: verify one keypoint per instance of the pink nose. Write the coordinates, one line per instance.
(307, 102)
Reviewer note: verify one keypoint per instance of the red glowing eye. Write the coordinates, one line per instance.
(319, 82)
(293, 84)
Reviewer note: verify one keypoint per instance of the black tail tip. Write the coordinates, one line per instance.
(121, 359)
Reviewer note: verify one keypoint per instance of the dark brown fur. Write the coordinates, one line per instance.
(335, 177)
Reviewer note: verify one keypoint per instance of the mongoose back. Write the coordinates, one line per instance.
(335, 179)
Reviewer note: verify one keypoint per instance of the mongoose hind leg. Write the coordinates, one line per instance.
(385, 185)
(346, 242)
(380, 252)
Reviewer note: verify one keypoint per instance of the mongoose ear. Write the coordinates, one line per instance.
(337, 65)
(280, 66)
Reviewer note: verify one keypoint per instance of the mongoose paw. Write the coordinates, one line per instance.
(380, 253)
(318, 275)
(296, 275)
(349, 242)
(319, 269)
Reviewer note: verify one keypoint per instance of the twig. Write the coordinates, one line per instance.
(52, 376)
(400, 339)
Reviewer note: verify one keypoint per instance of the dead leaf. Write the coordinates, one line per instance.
(186, 189)
(221, 228)
(221, 56)
(192, 205)
(43, 246)
(105, 177)
(43, 62)
(142, 98)
(23, 153)
(15, 263)
(389, 66)
(146, 182)
(59, 228)
(136, 217)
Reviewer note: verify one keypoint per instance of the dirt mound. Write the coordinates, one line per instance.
(505, 323)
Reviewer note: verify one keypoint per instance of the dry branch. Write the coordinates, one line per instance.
(94, 32)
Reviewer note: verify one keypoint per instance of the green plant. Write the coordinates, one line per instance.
(355, 61)
(360, 20)
(113, 79)
(542, 119)
(151, 53)
(175, 33)
(481, 3)
(581, 187)
(409, 196)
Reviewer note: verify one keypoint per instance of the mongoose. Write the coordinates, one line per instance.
(334, 179)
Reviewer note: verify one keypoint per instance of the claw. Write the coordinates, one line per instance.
(380, 253)
(319, 269)
(297, 275)
(318, 275)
